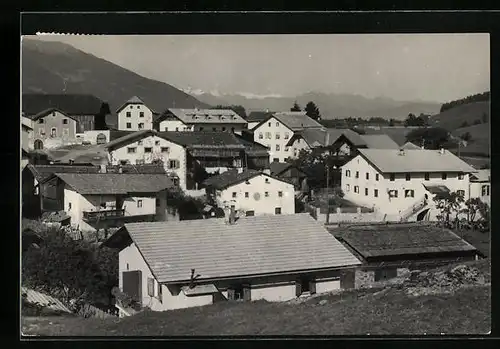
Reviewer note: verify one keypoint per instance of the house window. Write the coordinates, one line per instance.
(485, 190)
(261, 135)
(348, 173)
(42, 131)
(444, 175)
(53, 132)
(139, 203)
(266, 194)
(287, 148)
(129, 114)
(409, 193)
(305, 284)
(173, 164)
(201, 129)
(151, 287)
(347, 187)
(157, 142)
(461, 192)
(250, 213)
(268, 124)
(246, 194)
(460, 176)
(160, 293)
(280, 194)
(164, 149)
(234, 194)
(277, 124)
(375, 193)
(392, 177)
(357, 174)
(367, 175)
(131, 107)
(40, 121)
(277, 147)
(366, 191)
(139, 143)
(69, 206)
(131, 150)
(214, 129)
(177, 129)
(408, 177)
(123, 162)
(385, 274)
(148, 150)
(129, 125)
(286, 135)
(426, 176)
(141, 126)
(393, 193)
(267, 180)
(376, 176)
(141, 114)
(239, 293)
(277, 210)
(268, 135)
(157, 202)
(277, 135)
(356, 189)
(166, 129)
(65, 121)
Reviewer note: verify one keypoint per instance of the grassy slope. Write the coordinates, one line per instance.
(453, 118)
(467, 311)
(480, 141)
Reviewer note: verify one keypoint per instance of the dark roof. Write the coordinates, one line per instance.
(48, 111)
(203, 139)
(133, 100)
(278, 167)
(114, 183)
(72, 104)
(232, 177)
(55, 217)
(402, 240)
(252, 148)
(128, 138)
(115, 134)
(258, 116)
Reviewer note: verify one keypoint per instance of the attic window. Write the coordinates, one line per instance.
(267, 180)
(40, 121)
(53, 113)
(65, 121)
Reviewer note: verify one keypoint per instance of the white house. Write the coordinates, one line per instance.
(224, 120)
(480, 185)
(398, 182)
(251, 192)
(276, 130)
(103, 200)
(183, 264)
(135, 115)
(52, 128)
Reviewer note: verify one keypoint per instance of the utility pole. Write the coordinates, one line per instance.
(327, 193)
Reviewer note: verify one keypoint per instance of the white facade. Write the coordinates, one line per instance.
(481, 190)
(135, 117)
(298, 145)
(261, 194)
(274, 135)
(172, 297)
(174, 125)
(152, 148)
(365, 186)
(252, 124)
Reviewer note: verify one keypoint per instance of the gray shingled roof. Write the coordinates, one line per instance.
(215, 116)
(133, 100)
(279, 167)
(128, 138)
(382, 141)
(413, 160)
(258, 116)
(252, 246)
(114, 183)
(296, 120)
(481, 176)
(401, 239)
(48, 111)
(316, 137)
(203, 139)
(231, 177)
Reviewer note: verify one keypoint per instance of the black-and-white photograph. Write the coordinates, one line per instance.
(250, 185)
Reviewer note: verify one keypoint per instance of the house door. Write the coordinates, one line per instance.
(347, 279)
(132, 284)
(38, 144)
(101, 138)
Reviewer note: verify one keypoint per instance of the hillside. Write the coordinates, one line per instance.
(449, 300)
(54, 67)
(331, 105)
(454, 118)
(479, 144)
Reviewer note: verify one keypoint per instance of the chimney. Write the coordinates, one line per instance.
(441, 151)
(267, 171)
(401, 151)
(103, 168)
(267, 110)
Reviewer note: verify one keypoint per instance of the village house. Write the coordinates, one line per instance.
(276, 130)
(256, 155)
(256, 117)
(223, 120)
(288, 172)
(402, 183)
(89, 111)
(26, 133)
(103, 200)
(135, 115)
(166, 266)
(53, 128)
(251, 192)
(480, 186)
(390, 251)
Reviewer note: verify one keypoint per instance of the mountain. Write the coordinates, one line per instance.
(331, 105)
(55, 67)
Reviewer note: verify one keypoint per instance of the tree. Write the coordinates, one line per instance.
(413, 120)
(464, 124)
(477, 122)
(449, 204)
(466, 136)
(434, 137)
(238, 109)
(472, 208)
(392, 122)
(296, 107)
(312, 111)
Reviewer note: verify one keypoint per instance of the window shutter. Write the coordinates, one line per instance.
(151, 287)
(312, 286)
(247, 293)
(298, 288)
(230, 294)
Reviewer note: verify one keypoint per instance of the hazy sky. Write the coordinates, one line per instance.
(433, 67)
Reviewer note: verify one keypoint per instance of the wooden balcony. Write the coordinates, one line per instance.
(94, 216)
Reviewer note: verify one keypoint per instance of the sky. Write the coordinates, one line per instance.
(412, 67)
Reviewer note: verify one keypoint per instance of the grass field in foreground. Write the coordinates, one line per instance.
(467, 311)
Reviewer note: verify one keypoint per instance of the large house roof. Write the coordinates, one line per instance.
(381, 141)
(481, 176)
(402, 240)
(253, 246)
(232, 177)
(414, 160)
(114, 183)
(252, 148)
(258, 116)
(71, 104)
(296, 120)
(133, 100)
(317, 137)
(206, 116)
(46, 112)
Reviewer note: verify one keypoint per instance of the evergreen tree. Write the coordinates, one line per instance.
(312, 111)
(295, 107)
